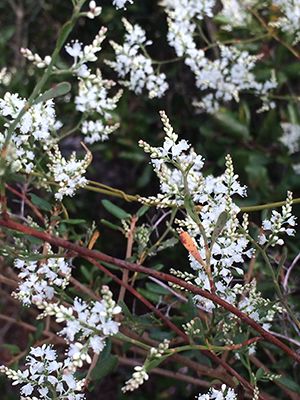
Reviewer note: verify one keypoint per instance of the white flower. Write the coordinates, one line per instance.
(121, 3)
(75, 50)
(94, 10)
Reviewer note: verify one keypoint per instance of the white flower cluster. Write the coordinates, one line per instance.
(182, 18)
(236, 13)
(39, 280)
(290, 19)
(226, 76)
(191, 329)
(87, 54)
(35, 58)
(171, 180)
(276, 224)
(91, 322)
(46, 377)
(248, 300)
(93, 98)
(138, 66)
(158, 352)
(291, 136)
(223, 394)
(93, 89)
(138, 377)
(35, 128)
(212, 195)
(67, 173)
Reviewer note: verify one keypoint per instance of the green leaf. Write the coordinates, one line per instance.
(40, 203)
(157, 267)
(110, 225)
(149, 295)
(40, 326)
(102, 369)
(221, 222)
(12, 348)
(126, 310)
(64, 33)
(258, 177)
(142, 211)
(160, 336)
(73, 221)
(192, 311)
(260, 373)
(231, 125)
(221, 20)
(191, 209)
(154, 363)
(155, 288)
(106, 264)
(115, 210)
(60, 89)
(281, 262)
(289, 383)
(168, 243)
(86, 272)
(34, 240)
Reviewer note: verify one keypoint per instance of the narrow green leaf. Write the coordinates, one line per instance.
(40, 326)
(231, 125)
(221, 222)
(60, 89)
(289, 383)
(13, 349)
(142, 211)
(154, 363)
(73, 221)
(126, 310)
(260, 373)
(86, 273)
(115, 210)
(168, 243)
(191, 209)
(149, 295)
(110, 225)
(192, 310)
(64, 33)
(281, 262)
(102, 369)
(157, 267)
(221, 20)
(155, 288)
(40, 203)
(34, 240)
(105, 353)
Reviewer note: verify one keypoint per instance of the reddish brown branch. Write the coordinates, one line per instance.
(27, 201)
(177, 330)
(84, 252)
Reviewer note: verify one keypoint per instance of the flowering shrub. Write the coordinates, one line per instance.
(227, 313)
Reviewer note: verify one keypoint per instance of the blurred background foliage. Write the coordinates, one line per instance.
(252, 139)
